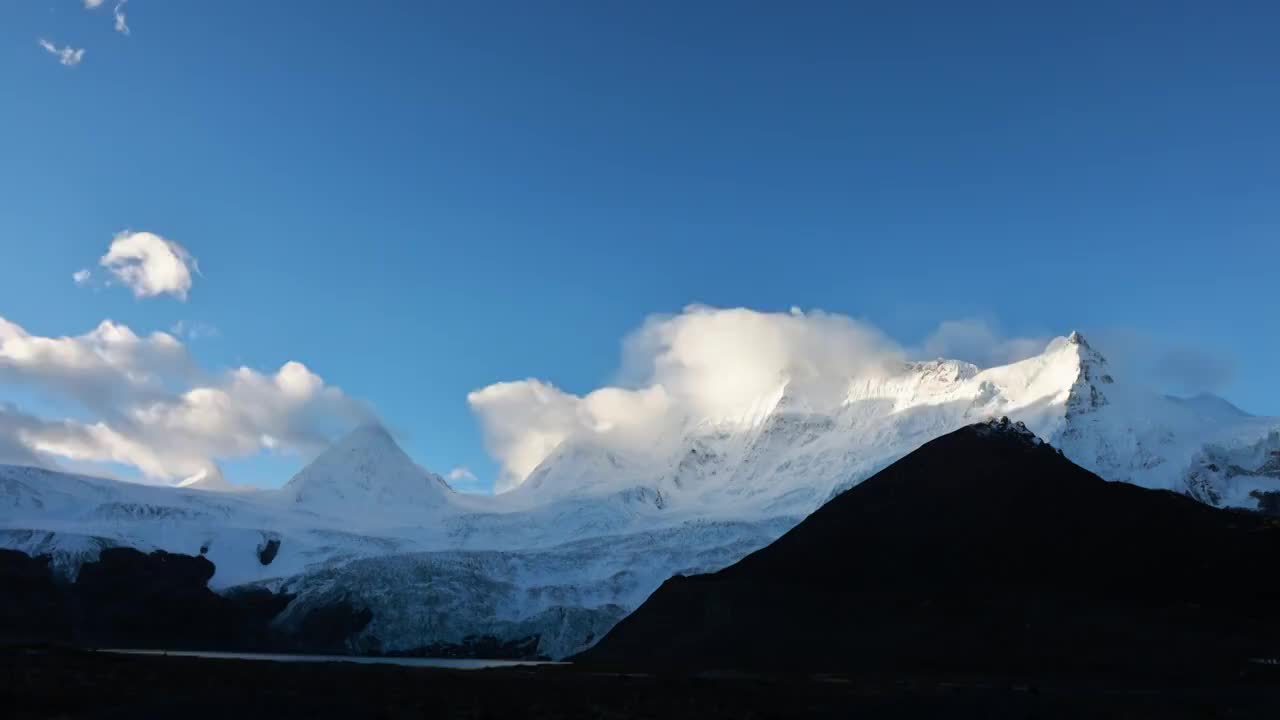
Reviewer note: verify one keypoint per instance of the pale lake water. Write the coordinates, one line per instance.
(453, 663)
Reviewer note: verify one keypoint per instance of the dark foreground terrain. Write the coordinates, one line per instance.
(984, 551)
(128, 598)
(46, 683)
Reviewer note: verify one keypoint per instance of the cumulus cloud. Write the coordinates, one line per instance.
(979, 342)
(122, 24)
(154, 409)
(701, 365)
(99, 369)
(150, 265)
(66, 55)
(81, 276)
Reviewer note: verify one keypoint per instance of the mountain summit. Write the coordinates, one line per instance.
(364, 473)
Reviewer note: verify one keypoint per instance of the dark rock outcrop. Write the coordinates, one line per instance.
(983, 550)
(127, 598)
(268, 549)
(33, 605)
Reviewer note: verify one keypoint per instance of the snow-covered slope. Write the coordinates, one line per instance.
(595, 528)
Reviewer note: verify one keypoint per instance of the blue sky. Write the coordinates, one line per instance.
(417, 200)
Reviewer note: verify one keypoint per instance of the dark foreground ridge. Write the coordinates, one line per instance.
(984, 550)
(127, 598)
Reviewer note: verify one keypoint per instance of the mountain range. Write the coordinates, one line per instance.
(597, 527)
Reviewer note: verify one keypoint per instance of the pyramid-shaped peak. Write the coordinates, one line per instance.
(366, 467)
(1089, 356)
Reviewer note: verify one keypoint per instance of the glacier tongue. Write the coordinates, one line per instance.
(595, 528)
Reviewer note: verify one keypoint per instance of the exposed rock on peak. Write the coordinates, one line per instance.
(1003, 426)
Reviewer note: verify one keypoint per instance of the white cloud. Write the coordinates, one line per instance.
(702, 364)
(97, 368)
(67, 55)
(461, 474)
(979, 342)
(463, 480)
(155, 410)
(122, 25)
(91, 4)
(150, 265)
(81, 276)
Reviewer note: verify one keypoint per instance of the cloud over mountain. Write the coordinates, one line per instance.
(701, 364)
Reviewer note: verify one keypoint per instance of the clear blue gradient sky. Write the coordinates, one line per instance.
(418, 199)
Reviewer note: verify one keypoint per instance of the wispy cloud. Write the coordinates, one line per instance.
(980, 342)
(67, 55)
(91, 4)
(122, 25)
(82, 276)
(194, 330)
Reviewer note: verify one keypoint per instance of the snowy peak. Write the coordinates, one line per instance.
(363, 470)
(1087, 393)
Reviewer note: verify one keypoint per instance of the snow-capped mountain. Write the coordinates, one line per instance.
(366, 479)
(595, 528)
(791, 458)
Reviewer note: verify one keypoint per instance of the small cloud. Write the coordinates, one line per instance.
(92, 4)
(122, 25)
(81, 276)
(150, 265)
(68, 55)
(461, 478)
(194, 330)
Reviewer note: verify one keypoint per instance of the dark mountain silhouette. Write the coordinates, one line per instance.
(983, 550)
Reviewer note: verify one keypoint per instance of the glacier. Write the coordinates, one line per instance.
(596, 528)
